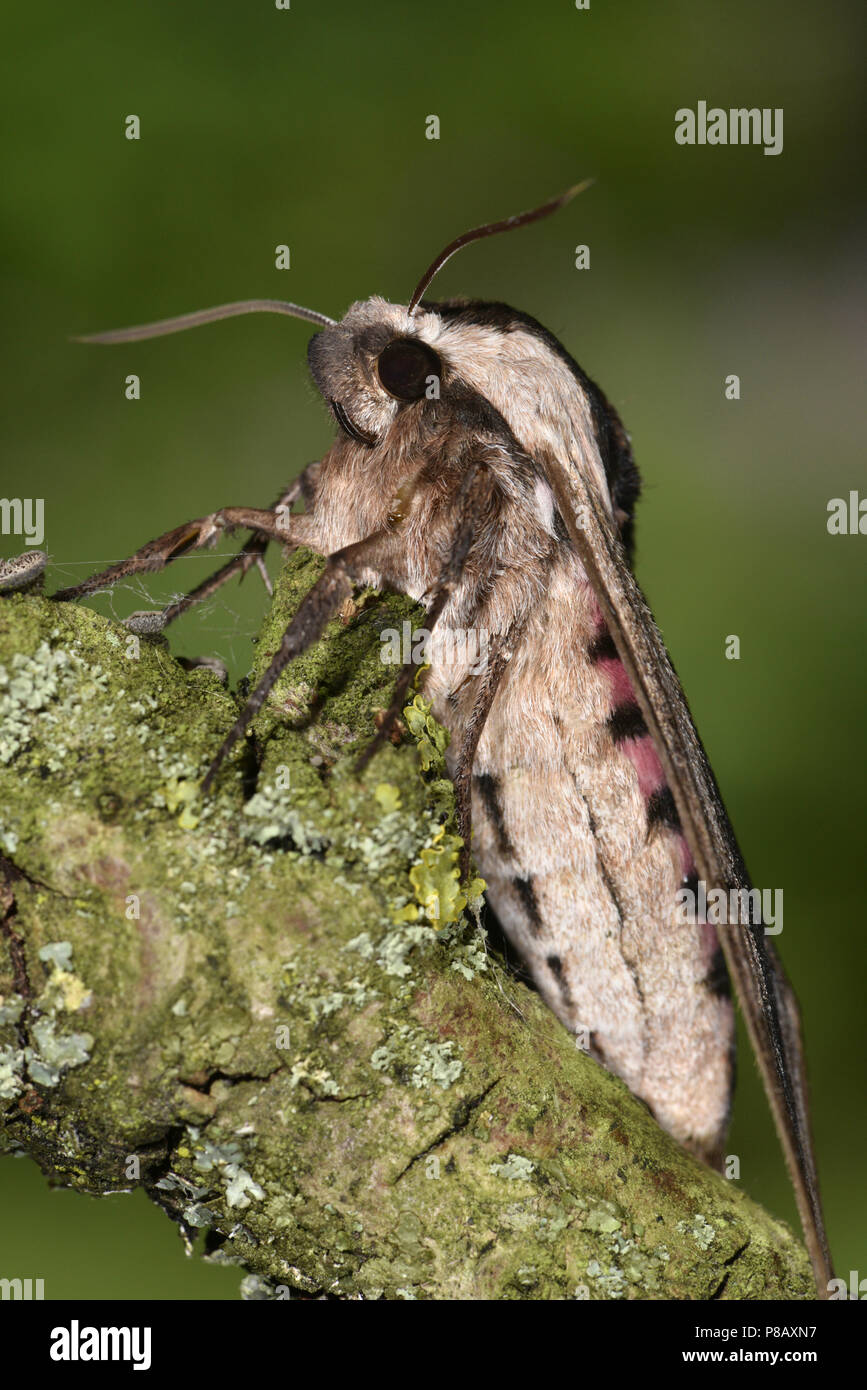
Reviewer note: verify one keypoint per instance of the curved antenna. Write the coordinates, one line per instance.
(195, 320)
(508, 224)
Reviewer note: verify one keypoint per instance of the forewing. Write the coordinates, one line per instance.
(766, 998)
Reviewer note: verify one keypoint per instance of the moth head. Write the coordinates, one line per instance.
(376, 369)
(392, 373)
(382, 358)
(404, 383)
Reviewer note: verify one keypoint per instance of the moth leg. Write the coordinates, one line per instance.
(488, 684)
(250, 555)
(449, 578)
(332, 588)
(194, 535)
(489, 681)
(408, 670)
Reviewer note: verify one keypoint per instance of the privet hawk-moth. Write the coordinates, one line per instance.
(479, 470)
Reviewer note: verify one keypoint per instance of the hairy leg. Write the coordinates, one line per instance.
(439, 596)
(389, 719)
(488, 683)
(250, 555)
(195, 535)
(331, 589)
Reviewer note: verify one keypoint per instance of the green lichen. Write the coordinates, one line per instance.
(436, 1064)
(200, 1216)
(431, 738)
(309, 1072)
(605, 1217)
(51, 1049)
(62, 985)
(57, 953)
(608, 1279)
(388, 796)
(66, 991)
(272, 816)
(183, 797)
(435, 878)
(255, 1289)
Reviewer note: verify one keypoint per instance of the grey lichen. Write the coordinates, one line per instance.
(29, 686)
(11, 1071)
(408, 1052)
(517, 1168)
(53, 1053)
(700, 1229)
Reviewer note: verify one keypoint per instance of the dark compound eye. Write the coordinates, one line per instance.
(404, 367)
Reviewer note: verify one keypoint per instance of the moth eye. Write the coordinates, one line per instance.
(404, 367)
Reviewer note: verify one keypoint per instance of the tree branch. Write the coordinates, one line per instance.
(250, 1006)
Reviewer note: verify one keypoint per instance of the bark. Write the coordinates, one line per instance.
(275, 1010)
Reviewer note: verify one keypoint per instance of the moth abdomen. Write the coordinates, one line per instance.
(575, 837)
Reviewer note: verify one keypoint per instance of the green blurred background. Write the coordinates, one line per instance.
(307, 127)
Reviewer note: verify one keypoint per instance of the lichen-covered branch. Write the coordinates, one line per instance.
(276, 1011)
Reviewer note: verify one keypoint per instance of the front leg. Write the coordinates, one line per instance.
(196, 535)
(250, 555)
(376, 553)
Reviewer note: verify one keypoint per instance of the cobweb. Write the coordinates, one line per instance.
(225, 625)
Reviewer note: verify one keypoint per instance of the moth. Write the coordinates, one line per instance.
(479, 470)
